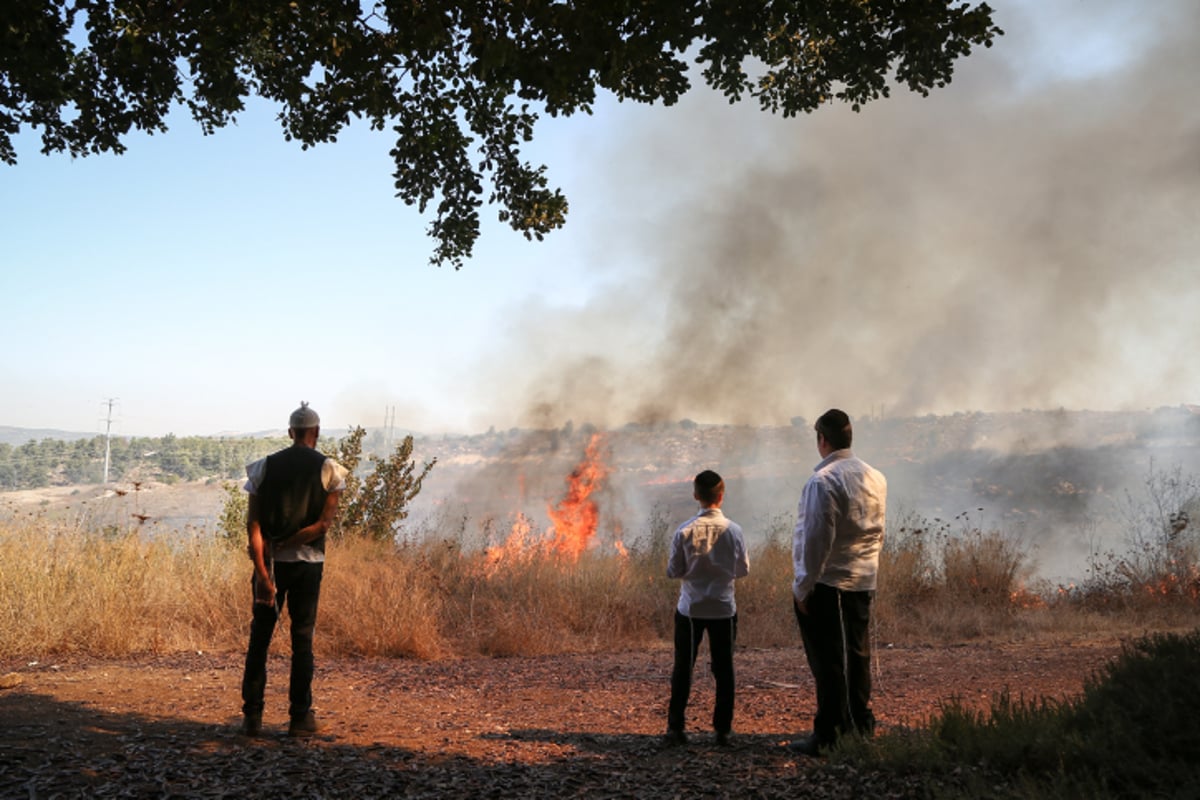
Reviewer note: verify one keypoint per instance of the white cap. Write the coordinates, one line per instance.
(304, 417)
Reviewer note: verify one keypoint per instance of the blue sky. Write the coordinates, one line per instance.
(1023, 238)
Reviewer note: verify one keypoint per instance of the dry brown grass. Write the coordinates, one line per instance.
(375, 604)
(546, 604)
(764, 598)
(65, 590)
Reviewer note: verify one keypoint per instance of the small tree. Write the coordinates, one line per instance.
(382, 497)
(231, 525)
(371, 506)
(347, 451)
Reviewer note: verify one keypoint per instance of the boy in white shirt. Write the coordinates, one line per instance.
(708, 552)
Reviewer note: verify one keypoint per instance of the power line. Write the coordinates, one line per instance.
(389, 427)
(108, 437)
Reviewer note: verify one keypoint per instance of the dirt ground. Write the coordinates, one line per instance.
(560, 726)
(124, 506)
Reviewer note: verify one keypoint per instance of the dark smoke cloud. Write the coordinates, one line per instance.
(1023, 238)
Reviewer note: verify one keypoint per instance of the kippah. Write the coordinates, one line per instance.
(707, 480)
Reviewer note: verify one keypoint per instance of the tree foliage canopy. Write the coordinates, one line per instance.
(374, 503)
(460, 84)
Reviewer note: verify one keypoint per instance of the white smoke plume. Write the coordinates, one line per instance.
(1024, 238)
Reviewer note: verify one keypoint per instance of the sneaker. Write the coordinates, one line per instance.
(252, 725)
(303, 726)
(674, 737)
(724, 738)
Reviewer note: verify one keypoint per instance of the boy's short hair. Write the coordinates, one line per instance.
(835, 426)
(709, 487)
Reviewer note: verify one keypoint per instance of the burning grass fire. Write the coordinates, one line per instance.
(574, 520)
(576, 516)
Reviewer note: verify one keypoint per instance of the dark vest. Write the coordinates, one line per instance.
(291, 495)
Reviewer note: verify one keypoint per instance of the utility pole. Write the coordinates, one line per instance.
(108, 436)
(389, 425)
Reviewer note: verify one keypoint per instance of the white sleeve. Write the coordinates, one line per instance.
(333, 476)
(813, 537)
(255, 472)
(677, 559)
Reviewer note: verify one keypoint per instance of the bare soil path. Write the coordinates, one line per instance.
(556, 726)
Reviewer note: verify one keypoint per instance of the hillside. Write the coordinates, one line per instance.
(1062, 480)
(16, 436)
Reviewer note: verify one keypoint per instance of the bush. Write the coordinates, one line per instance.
(1161, 562)
(1134, 732)
(935, 581)
(375, 502)
(984, 568)
(1137, 727)
(231, 525)
(908, 565)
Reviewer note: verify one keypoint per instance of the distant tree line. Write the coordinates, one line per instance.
(170, 458)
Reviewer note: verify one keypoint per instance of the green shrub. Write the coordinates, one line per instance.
(1134, 732)
(231, 524)
(1137, 726)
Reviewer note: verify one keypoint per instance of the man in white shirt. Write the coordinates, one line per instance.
(293, 501)
(835, 554)
(708, 553)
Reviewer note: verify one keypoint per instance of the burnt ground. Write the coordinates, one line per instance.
(556, 726)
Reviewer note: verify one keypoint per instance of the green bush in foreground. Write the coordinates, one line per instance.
(1138, 725)
(1135, 732)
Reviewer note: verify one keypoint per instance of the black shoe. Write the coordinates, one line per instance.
(724, 738)
(303, 726)
(674, 738)
(809, 746)
(252, 725)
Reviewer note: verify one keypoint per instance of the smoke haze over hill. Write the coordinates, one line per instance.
(1063, 485)
(1025, 238)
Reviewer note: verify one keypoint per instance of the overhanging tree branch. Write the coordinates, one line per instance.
(460, 84)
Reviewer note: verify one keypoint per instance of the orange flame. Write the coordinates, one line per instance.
(518, 548)
(574, 519)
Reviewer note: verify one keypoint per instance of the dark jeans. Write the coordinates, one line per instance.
(297, 583)
(722, 634)
(837, 641)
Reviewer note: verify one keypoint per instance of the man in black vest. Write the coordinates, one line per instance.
(293, 500)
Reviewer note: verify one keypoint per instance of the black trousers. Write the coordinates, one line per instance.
(722, 635)
(837, 641)
(297, 583)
